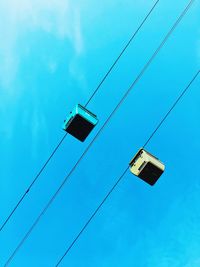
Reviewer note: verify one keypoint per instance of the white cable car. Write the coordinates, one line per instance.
(146, 166)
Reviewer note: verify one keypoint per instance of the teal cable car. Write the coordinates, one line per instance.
(80, 122)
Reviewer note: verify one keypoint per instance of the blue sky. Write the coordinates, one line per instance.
(53, 55)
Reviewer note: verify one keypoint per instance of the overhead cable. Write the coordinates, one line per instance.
(122, 52)
(171, 109)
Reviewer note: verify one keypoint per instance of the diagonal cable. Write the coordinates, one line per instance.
(101, 129)
(32, 183)
(121, 176)
(91, 97)
(93, 215)
(171, 109)
(122, 52)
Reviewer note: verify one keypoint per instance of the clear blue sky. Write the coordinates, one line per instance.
(53, 54)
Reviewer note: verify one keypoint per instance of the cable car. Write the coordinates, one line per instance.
(80, 122)
(146, 166)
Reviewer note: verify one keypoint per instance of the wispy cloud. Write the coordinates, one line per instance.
(56, 17)
(18, 18)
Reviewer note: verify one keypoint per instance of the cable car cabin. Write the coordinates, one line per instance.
(146, 166)
(80, 122)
